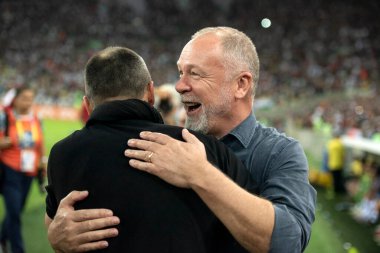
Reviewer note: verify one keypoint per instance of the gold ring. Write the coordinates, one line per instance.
(150, 157)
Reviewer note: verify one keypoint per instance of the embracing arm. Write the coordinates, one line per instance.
(81, 230)
(250, 219)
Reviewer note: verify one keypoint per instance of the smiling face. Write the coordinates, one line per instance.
(205, 91)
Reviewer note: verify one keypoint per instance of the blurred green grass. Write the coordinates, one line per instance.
(325, 236)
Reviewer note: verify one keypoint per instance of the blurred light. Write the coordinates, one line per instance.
(265, 23)
(347, 245)
(359, 110)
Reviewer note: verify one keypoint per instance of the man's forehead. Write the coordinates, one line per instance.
(197, 51)
(186, 65)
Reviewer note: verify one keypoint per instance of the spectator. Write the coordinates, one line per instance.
(335, 161)
(21, 144)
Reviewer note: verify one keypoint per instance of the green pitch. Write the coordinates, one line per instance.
(324, 238)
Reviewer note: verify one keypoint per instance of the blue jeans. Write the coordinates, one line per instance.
(16, 186)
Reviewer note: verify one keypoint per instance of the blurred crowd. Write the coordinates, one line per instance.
(309, 49)
(357, 117)
(363, 188)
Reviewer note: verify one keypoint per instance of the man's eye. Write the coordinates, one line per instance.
(180, 73)
(194, 73)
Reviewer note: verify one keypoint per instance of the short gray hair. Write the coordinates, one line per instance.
(239, 50)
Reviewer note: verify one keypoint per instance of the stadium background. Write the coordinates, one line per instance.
(319, 70)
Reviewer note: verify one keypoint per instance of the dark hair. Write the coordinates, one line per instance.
(116, 71)
(21, 89)
(18, 91)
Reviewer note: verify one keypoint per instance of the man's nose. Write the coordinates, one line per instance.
(182, 85)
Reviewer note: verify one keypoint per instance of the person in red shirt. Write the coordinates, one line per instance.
(21, 151)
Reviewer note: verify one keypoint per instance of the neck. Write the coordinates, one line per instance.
(116, 98)
(230, 124)
(119, 98)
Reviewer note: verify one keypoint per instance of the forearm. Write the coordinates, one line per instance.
(249, 218)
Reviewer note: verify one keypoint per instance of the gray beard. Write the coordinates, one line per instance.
(199, 125)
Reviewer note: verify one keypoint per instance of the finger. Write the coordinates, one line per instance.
(72, 198)
(91, 214)
(189, 137)
(143, 144)
(139, 154)
(92, 246)
(156, 137)
(144, 166)
(97, 224)
(97, 235)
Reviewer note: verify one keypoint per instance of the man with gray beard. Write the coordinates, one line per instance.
(219, 72)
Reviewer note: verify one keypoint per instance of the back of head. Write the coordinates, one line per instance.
(239, 51)
(114, 72)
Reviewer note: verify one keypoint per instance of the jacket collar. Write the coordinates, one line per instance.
(130, 109)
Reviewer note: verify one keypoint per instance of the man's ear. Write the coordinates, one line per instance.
(244, 85)
(87, 104)
(149, 94)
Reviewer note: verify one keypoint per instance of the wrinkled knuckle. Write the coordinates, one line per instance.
(85, 216)
(148, 146)
(67, 216)
(66, 230)
(87, 238)
(62, 202)
(61, 216)
(90, 225)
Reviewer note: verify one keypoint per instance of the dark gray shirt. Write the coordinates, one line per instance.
(279, 166)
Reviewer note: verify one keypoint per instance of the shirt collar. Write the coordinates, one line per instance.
(244, 131)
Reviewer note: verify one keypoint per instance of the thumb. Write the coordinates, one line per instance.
(189, 137)
(72, 198)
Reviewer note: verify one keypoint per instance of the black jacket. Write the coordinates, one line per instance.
(155, 216)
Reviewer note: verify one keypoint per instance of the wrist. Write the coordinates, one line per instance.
(203, 178)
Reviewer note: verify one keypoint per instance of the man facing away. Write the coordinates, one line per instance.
(154, 216)
(219, 71)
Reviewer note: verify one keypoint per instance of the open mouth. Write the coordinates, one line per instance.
(191, 107)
